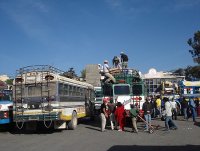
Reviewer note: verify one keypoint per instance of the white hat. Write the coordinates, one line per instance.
(106, 61)
(122, 52)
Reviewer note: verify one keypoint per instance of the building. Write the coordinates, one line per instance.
(153, 79)
(3, 84)
(92, 75)
(4, 77)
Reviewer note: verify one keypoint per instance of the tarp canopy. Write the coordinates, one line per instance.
(191, 83)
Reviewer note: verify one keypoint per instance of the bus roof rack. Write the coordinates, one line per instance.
(39, 68)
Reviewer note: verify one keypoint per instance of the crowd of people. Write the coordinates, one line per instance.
(165, 109)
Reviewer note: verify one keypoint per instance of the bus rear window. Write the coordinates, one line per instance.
(107, 90)
(122, 90)
(98, 94)
(137, 89)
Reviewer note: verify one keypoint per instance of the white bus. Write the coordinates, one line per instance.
(42, 94)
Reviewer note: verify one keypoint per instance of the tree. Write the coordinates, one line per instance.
(83, 73)
(180, 72)
(192, 73)
(9, 81)
(70, 74)
(195, 44)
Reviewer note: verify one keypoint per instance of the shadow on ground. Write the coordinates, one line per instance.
(197, 124)
(154, 148)
(96, 124)
(41, 129)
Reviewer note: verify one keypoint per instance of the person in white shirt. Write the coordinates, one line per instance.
(106, 69)
(174, 109)
(168, 114)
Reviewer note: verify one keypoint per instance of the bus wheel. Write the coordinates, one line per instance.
(73, 123)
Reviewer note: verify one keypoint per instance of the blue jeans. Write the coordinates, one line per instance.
(148, 120)
(193, 114)
(185, 113)
(167, 120)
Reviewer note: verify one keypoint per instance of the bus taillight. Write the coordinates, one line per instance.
(121, 81)
(5, 114)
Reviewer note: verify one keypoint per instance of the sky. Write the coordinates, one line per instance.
(74, 33)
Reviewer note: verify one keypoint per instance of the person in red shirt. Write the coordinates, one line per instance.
(120, 117)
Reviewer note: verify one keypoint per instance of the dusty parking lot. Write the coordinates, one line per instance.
(88, 137)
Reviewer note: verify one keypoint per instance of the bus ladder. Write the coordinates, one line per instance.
(19, 84)
(45, 84)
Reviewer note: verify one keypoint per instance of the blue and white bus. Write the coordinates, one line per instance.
(190, 89)
(6, 105)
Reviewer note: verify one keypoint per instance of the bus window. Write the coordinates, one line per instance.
(196, 90)
(107, 90)
(4, 97)
(121, 90)
(98, 93)
(137, 89)
(34, 91)
(65, 89)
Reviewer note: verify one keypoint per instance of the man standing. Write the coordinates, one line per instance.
(174, 109)
(106, 69)
(185, 105)
(158, 106)
(104, 114)
(147, 108)
(124, 60)
(192, 106)
(133, 113)
(112, 108)
(168, 114)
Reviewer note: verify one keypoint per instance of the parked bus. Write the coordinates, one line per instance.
(43, 94)
(6, 105)
(98, 99)
(128, 89)
(170, 90)
(189, 88)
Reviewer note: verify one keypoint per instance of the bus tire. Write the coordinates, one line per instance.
(73, 123)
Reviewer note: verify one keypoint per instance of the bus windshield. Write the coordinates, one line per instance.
(5, 97)
(121, 90)
(137, 89)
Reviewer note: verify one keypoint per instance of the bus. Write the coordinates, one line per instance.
(170, 90)
(128, 89)
(43, 95)
(98, 99)
(189, 88)
(6, 105)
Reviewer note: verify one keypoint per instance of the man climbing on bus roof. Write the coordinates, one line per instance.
(116, 62)
(124, 60)
(106, 70)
